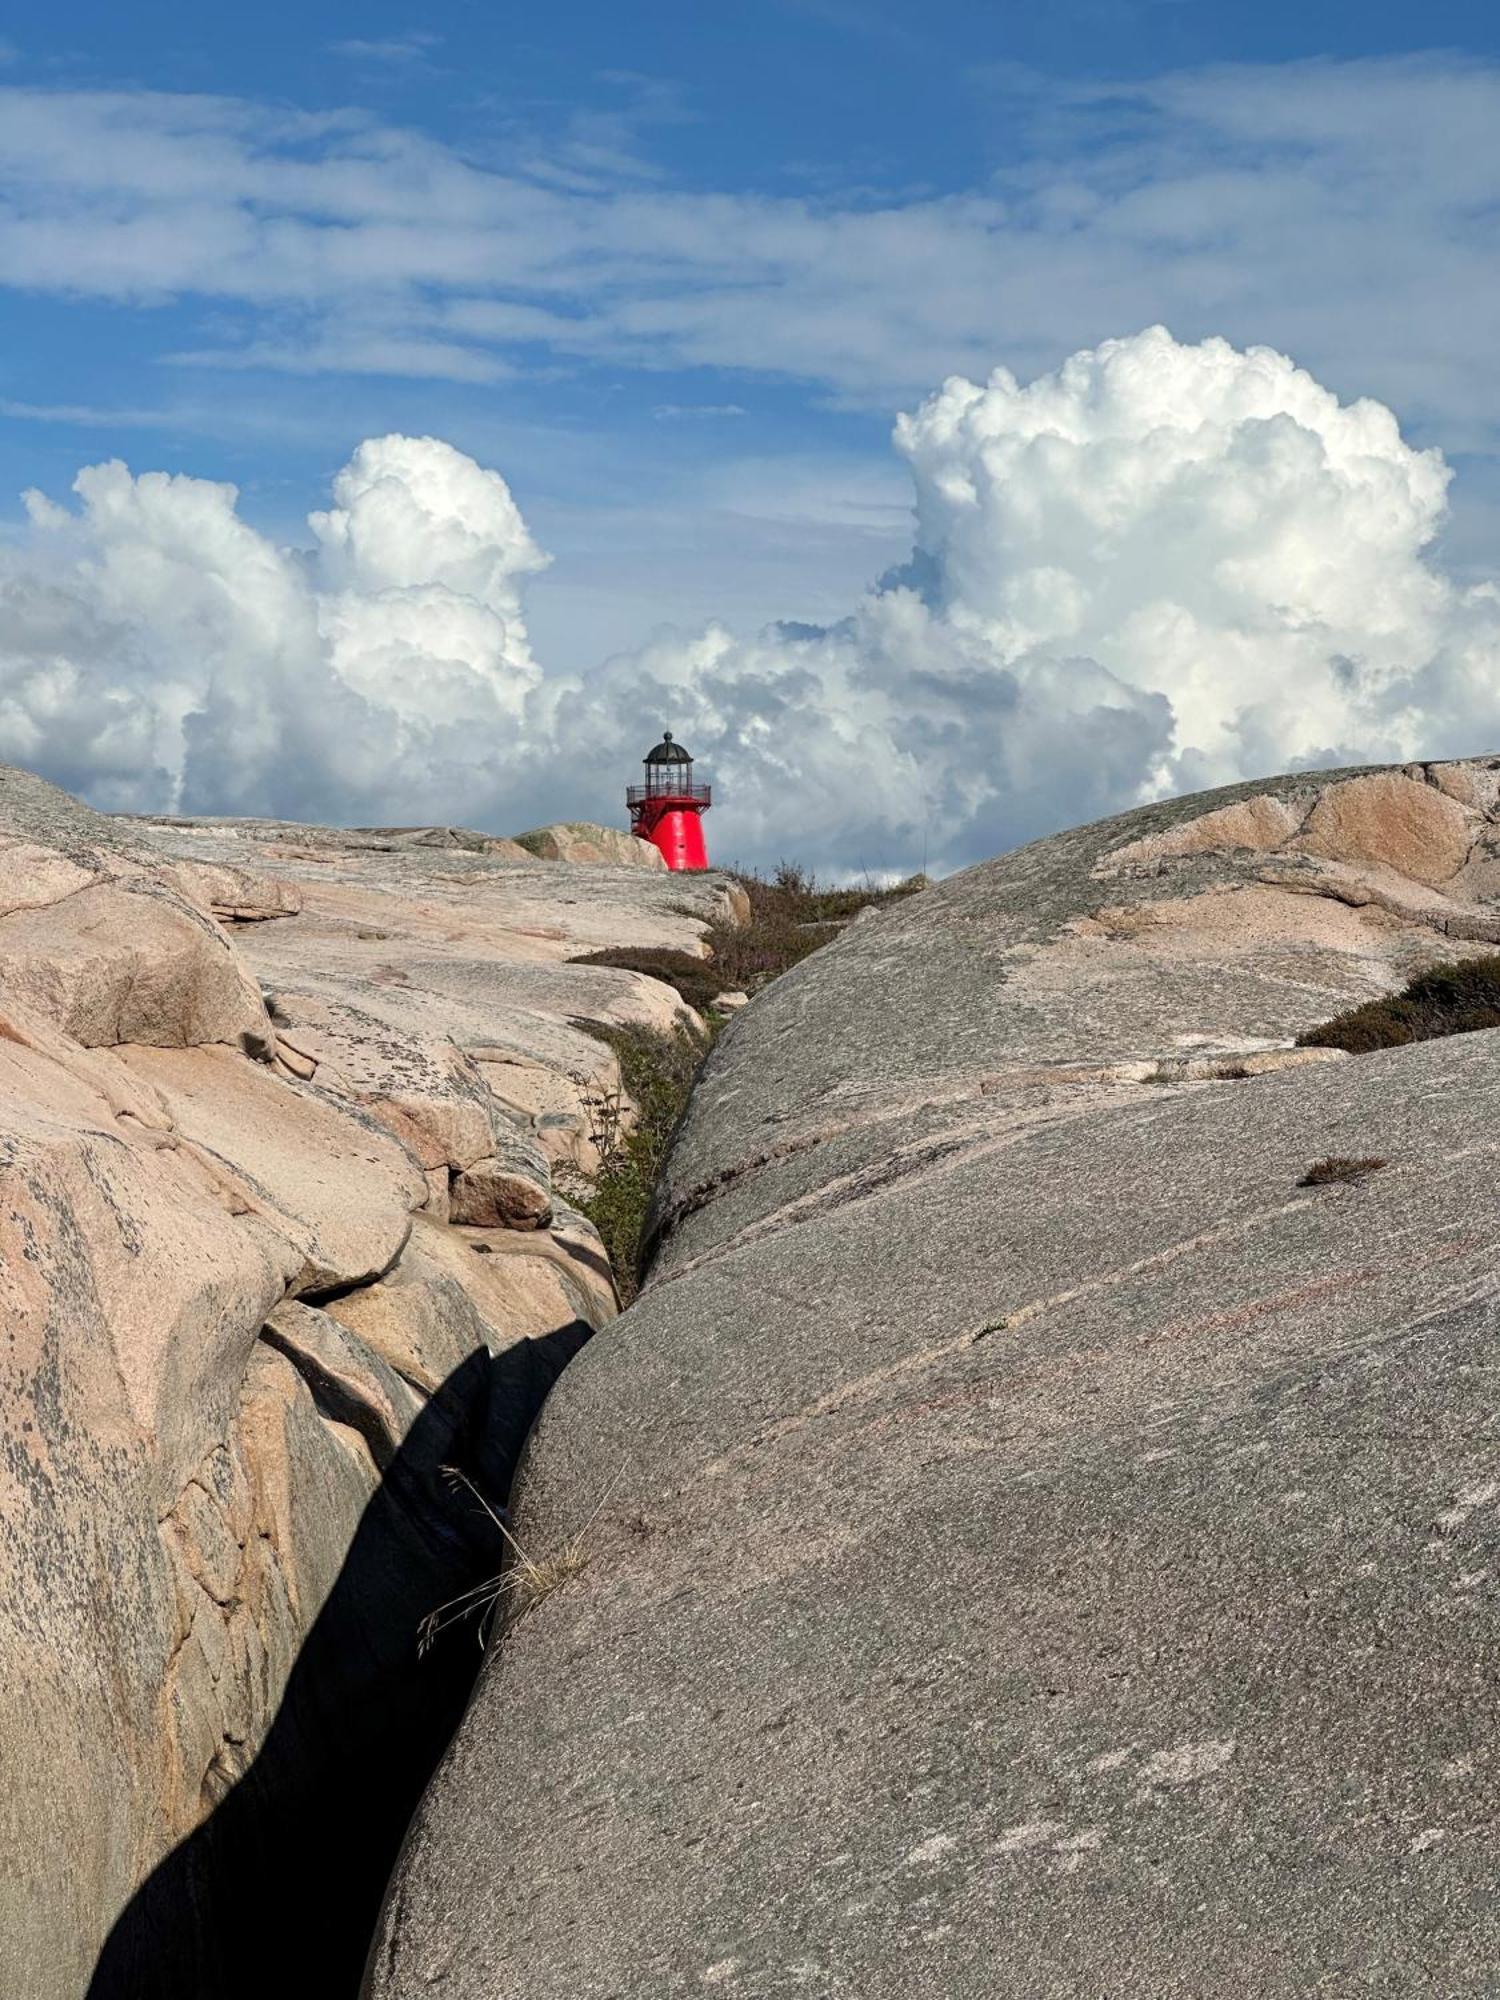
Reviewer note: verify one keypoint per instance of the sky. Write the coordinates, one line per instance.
(597, 369)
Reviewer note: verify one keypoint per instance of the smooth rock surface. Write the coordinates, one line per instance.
(1033, 1545)
(273, 1258)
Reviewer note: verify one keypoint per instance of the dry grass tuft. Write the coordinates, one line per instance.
(519, 1587)
(1324, 1173)
(532, 1581)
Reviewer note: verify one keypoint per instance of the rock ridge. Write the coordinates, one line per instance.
(274, 1252)
(1035, 1544)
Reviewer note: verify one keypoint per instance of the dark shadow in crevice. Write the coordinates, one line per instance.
(278, 1891)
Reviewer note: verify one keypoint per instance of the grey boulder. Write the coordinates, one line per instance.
(1024, 1542)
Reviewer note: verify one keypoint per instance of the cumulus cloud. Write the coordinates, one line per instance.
(1159, 567)
(155, 650)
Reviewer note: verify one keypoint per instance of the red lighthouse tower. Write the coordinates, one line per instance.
(668, 809)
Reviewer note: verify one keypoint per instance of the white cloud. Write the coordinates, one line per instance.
(86, 414)
(349, 351)
(1340, 209)
(400, 49)
(1160, 566)
(681, 413)
(598, 148)
(154, 649)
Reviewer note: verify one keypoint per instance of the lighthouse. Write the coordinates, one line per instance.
(668, 809)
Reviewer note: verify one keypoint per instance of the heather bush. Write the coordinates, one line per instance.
(1457, 998)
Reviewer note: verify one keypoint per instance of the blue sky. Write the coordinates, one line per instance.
(674, 269)
(683, 447)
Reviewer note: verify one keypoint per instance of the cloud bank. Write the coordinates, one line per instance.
(1159, 567)
(1341, 208)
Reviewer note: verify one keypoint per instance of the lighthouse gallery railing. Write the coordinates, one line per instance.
(644, 795)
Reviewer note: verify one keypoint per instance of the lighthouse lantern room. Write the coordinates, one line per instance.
(668, 809)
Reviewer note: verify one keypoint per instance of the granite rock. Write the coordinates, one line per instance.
(1031, 1544)
(578, 840)
(273, 1256)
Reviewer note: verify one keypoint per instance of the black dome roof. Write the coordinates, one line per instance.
(668, 752)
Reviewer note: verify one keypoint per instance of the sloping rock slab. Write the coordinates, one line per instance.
(129, 961)
(1030, 1543)
(332, 1182)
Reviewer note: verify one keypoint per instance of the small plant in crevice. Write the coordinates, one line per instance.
(1326, 1173)
(520, 1586)
(790, 915)
(1460, 997)
(657, 1072)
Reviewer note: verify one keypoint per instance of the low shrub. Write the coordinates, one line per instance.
(791, 915)
(535, 842)
(1457, 998)
(697, 981)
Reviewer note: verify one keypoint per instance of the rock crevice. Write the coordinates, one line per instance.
(1036, 1544)
(272, 1254)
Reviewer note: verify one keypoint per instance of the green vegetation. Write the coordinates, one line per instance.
(790, 916)
(1457, 998)
(656, 1071)
(1325, 1172)
(697, 980)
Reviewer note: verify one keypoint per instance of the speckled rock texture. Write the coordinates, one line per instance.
(580, 840)
(273, 1256)
(1034, 1546)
